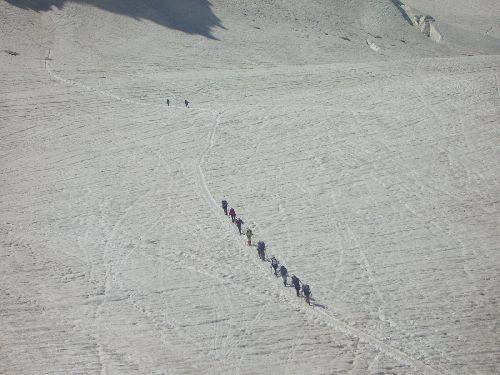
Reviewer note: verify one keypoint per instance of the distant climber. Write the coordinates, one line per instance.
(168, 102)
(238, 223)
(307, 293)
(232, 213)
(186, 103)
(249, 235)
(224, 206)
(261, 249)
(274, 264)
(284, 274)
(296, 284)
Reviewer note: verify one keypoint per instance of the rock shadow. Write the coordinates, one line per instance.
(189, 16)
(400, 5)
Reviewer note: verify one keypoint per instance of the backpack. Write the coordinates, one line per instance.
(224, 203)
(306, 289)
(274, 262)
(283, 270)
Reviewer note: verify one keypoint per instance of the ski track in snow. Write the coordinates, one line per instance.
(231, 313)
(331, 321)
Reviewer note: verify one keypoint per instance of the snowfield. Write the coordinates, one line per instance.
(362, 150)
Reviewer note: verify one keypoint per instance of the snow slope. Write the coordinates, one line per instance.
(361, 151)
(469, 27)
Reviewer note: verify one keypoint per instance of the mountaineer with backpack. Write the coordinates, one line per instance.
(238, 223)
(284, 274)
(274, 264)
(296, 284)
(232, 213)
(249, 235)
(224, 206)
(261, 249)
(307, 292)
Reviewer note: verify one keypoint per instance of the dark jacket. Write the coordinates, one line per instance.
(283, 271)
(306, 289)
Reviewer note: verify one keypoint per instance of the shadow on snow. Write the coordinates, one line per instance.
(189, 16)
(400, 5)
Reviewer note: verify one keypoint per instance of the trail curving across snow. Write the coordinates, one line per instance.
(319, 314)
(330, 320)
(365, 159)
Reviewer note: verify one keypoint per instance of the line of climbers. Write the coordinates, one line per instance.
(261, 250)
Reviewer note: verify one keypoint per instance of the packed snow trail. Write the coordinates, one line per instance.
(330, 320)
(337, 324)
(211, 139)
(374, 175)
(246, 161)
